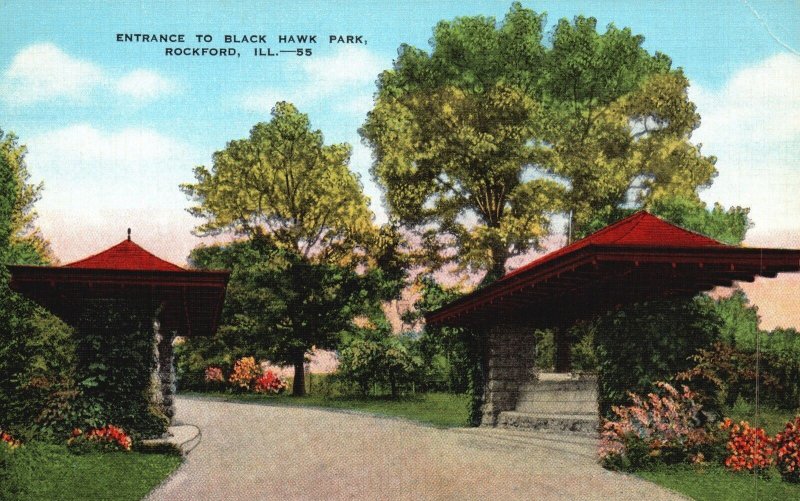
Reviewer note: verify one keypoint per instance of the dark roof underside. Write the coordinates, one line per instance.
(639, 258)
(187, 302)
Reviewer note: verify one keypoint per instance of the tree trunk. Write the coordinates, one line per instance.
(299, 384)
(499, 256)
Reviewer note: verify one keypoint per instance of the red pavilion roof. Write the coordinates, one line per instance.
(126, 255)
(640, 229)
(188, 302)
(639, 258)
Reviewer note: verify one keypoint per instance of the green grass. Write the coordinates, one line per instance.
(714, 483)
(44, 471)
(772, 420)
(439, 409)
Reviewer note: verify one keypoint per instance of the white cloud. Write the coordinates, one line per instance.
(349, 66)
(44, 72)
(88, 168)
(759, 103)
(345, 77)
(752, 125)
(144, 85)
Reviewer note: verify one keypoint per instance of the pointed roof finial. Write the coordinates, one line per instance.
(129, 234)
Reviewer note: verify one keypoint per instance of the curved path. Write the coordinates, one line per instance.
(254, 452)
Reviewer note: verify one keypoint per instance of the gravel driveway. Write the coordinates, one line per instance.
(253, 452)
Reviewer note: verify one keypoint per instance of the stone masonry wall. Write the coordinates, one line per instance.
(510, 361)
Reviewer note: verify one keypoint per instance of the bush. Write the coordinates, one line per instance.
(269, 382)
(370, 362)
(787, 446)
(245, 372)
(750, 448)
(648, 342)
(115, 367)
(106, 439)
(666, 428)
(9, 484)
(723, 374)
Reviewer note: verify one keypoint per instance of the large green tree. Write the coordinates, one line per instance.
(36, 349)
(479, 142)
(284, 184)
(289, 192)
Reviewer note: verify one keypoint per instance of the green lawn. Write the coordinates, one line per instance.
(45, 472)
(772, 420)
(439, 409)
(715, 483)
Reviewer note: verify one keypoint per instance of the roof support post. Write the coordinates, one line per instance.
(510, 359)
(563, 342)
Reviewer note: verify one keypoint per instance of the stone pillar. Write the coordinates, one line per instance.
(510, 361)
(165, 372)
(563, 342)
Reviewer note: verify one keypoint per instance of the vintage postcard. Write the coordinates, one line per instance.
(399, 250)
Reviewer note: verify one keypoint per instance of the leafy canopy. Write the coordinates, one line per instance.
(283, 182)
(479, 142)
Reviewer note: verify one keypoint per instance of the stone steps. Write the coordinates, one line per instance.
(558, 394)
(555, 403)
(585, 424)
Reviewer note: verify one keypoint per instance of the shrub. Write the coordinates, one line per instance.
(723, 373)
(107, 438)
(648, 342)
(750, 448)
(10, 487)
(386, 361)
(269, 382)
(245, 372)
(214, 375)
(787, 445)
(660, 428)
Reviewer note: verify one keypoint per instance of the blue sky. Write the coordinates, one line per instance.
(113, 128)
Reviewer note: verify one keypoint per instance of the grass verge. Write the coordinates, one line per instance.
(443, 410)
(39, 471)
(715, 483)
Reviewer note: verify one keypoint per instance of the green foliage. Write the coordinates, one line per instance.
(779, 361)
(443, 350)
(279, 305)
(496, 127)
(115, 366)
(36, 349)
(646, 342)
(21, 241)
(724, 374)
(374, 357)
(285, 184)
(458, 352)
(727, 226)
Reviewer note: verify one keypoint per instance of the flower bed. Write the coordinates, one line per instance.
(247, 375)
(107, 438)
(660, 428)
(750, 448)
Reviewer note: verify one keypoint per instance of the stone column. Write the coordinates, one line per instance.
(165, 372)
(510, 361)
(563, 342)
